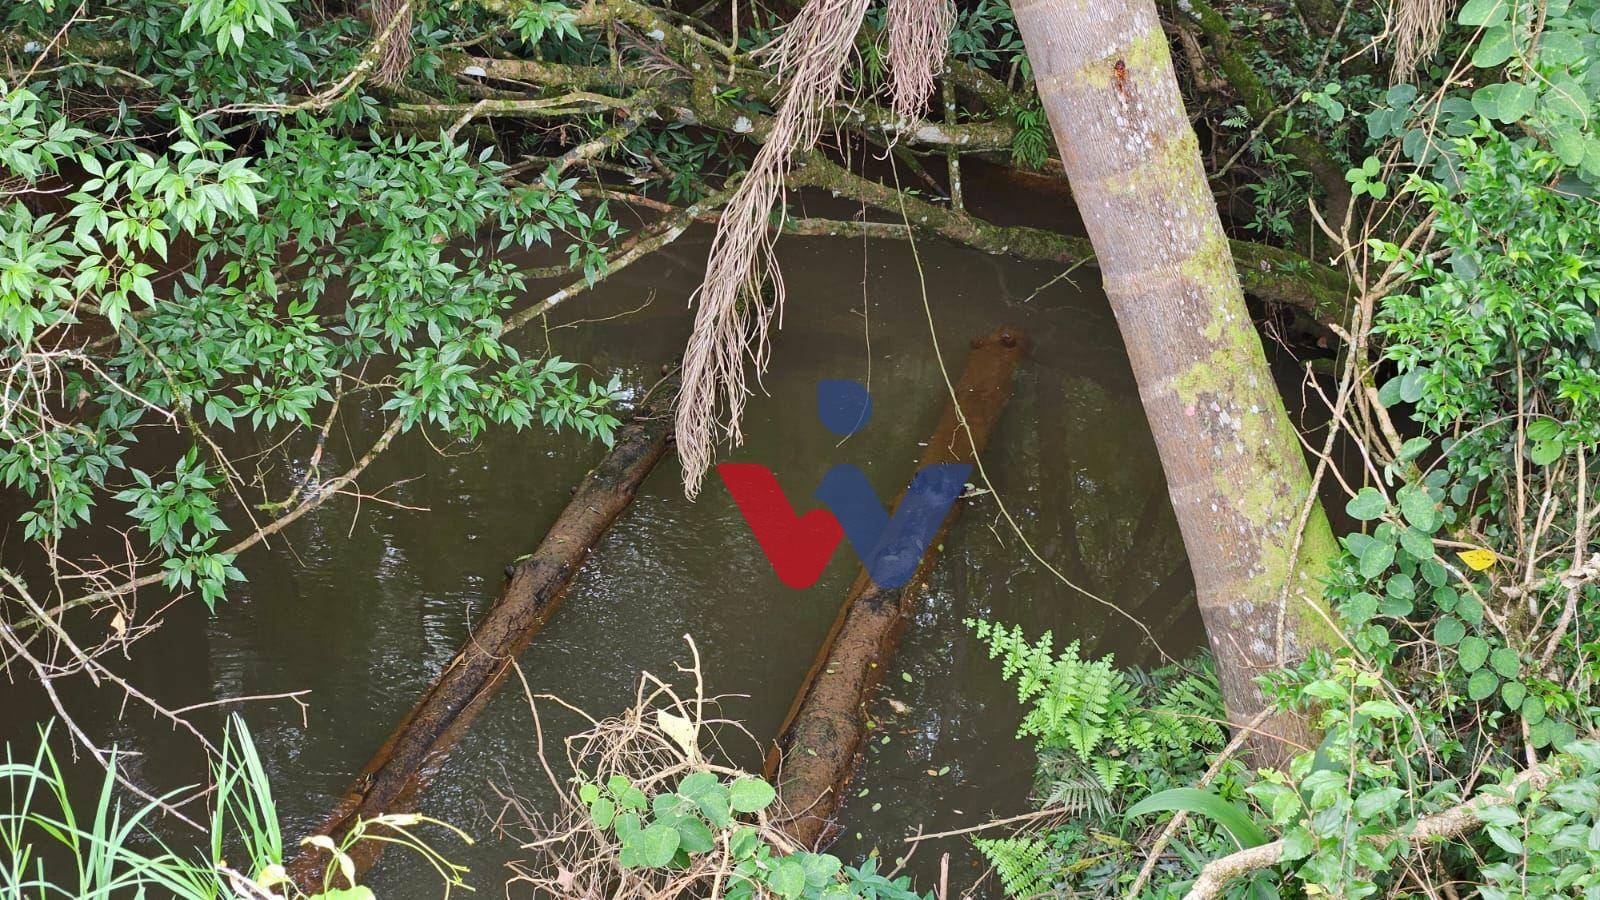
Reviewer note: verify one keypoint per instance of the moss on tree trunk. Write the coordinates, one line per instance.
(1233, 462)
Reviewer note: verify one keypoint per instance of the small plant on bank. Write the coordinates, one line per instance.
(1114, 745)
(649, 813)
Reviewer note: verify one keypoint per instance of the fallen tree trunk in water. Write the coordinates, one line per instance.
(815, 751)
(393, 780)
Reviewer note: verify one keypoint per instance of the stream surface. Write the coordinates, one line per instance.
(361, 602)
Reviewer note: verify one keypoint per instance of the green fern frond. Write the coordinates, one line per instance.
(1105, 717)
(1079, 796)
(1024, 864)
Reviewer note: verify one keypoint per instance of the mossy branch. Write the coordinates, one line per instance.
(1273, 274)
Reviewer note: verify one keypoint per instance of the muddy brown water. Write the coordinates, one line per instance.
(361, 602)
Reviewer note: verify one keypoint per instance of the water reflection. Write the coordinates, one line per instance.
(361, 602)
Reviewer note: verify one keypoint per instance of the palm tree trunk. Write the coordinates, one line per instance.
(1233, 463)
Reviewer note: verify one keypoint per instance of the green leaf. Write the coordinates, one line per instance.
(1433, 572)
(744, 843)
(1513, 693)
(656, 845)
(1194, 801)
(1504, 661)
(359, 892)
(820, 868)
(1359, 609)
(1567, 141)
(788, 878)
(1401, 587)
(1411, 386)
(697, 784)
(1380, 709)
(748, 795)
(1494, 49)
(1486, 100)
(1543, 430)
(1377, 559)
(1483, 13)
(1482, 684)
(717, 808)
(1414, 448)
(1377, 800)
(1448, 631)
(1419, 510)
(1544, 453)
(694, 836)
(1516, 101)
(1396, 607)
(1560, 48)
(1505, 839)
(709, 794)
(602, 811)
(1281, 801)
(1472, 652)
(1366, 505)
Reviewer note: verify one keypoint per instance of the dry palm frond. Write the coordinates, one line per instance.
(918, 31)
(733, 318)
(396, 42)
(1417, 26)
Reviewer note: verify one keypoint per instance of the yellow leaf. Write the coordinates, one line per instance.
(681, 730)
(271, 876)
(119, 624)
(1478, 559)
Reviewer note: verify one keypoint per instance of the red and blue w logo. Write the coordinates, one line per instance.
(889, 546)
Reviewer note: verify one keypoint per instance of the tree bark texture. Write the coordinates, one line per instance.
(815, 752)
(1233, 463)
(394, 778)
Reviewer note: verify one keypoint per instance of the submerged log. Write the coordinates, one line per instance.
(815, 752)
(393, 780)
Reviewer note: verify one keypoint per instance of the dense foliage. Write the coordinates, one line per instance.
(204, 267)
(223, 236)
(1460, 697)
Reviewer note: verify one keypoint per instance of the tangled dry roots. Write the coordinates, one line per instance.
(1417, 26)
(666, 734)
(918, 31)
(733, 318)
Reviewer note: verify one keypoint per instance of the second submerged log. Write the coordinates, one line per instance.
(816, 748)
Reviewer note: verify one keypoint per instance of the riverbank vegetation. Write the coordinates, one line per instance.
(233, 227)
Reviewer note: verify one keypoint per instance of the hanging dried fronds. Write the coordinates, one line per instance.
(1417, 26)
(918, 32)
(733, 317)
(396, 40)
